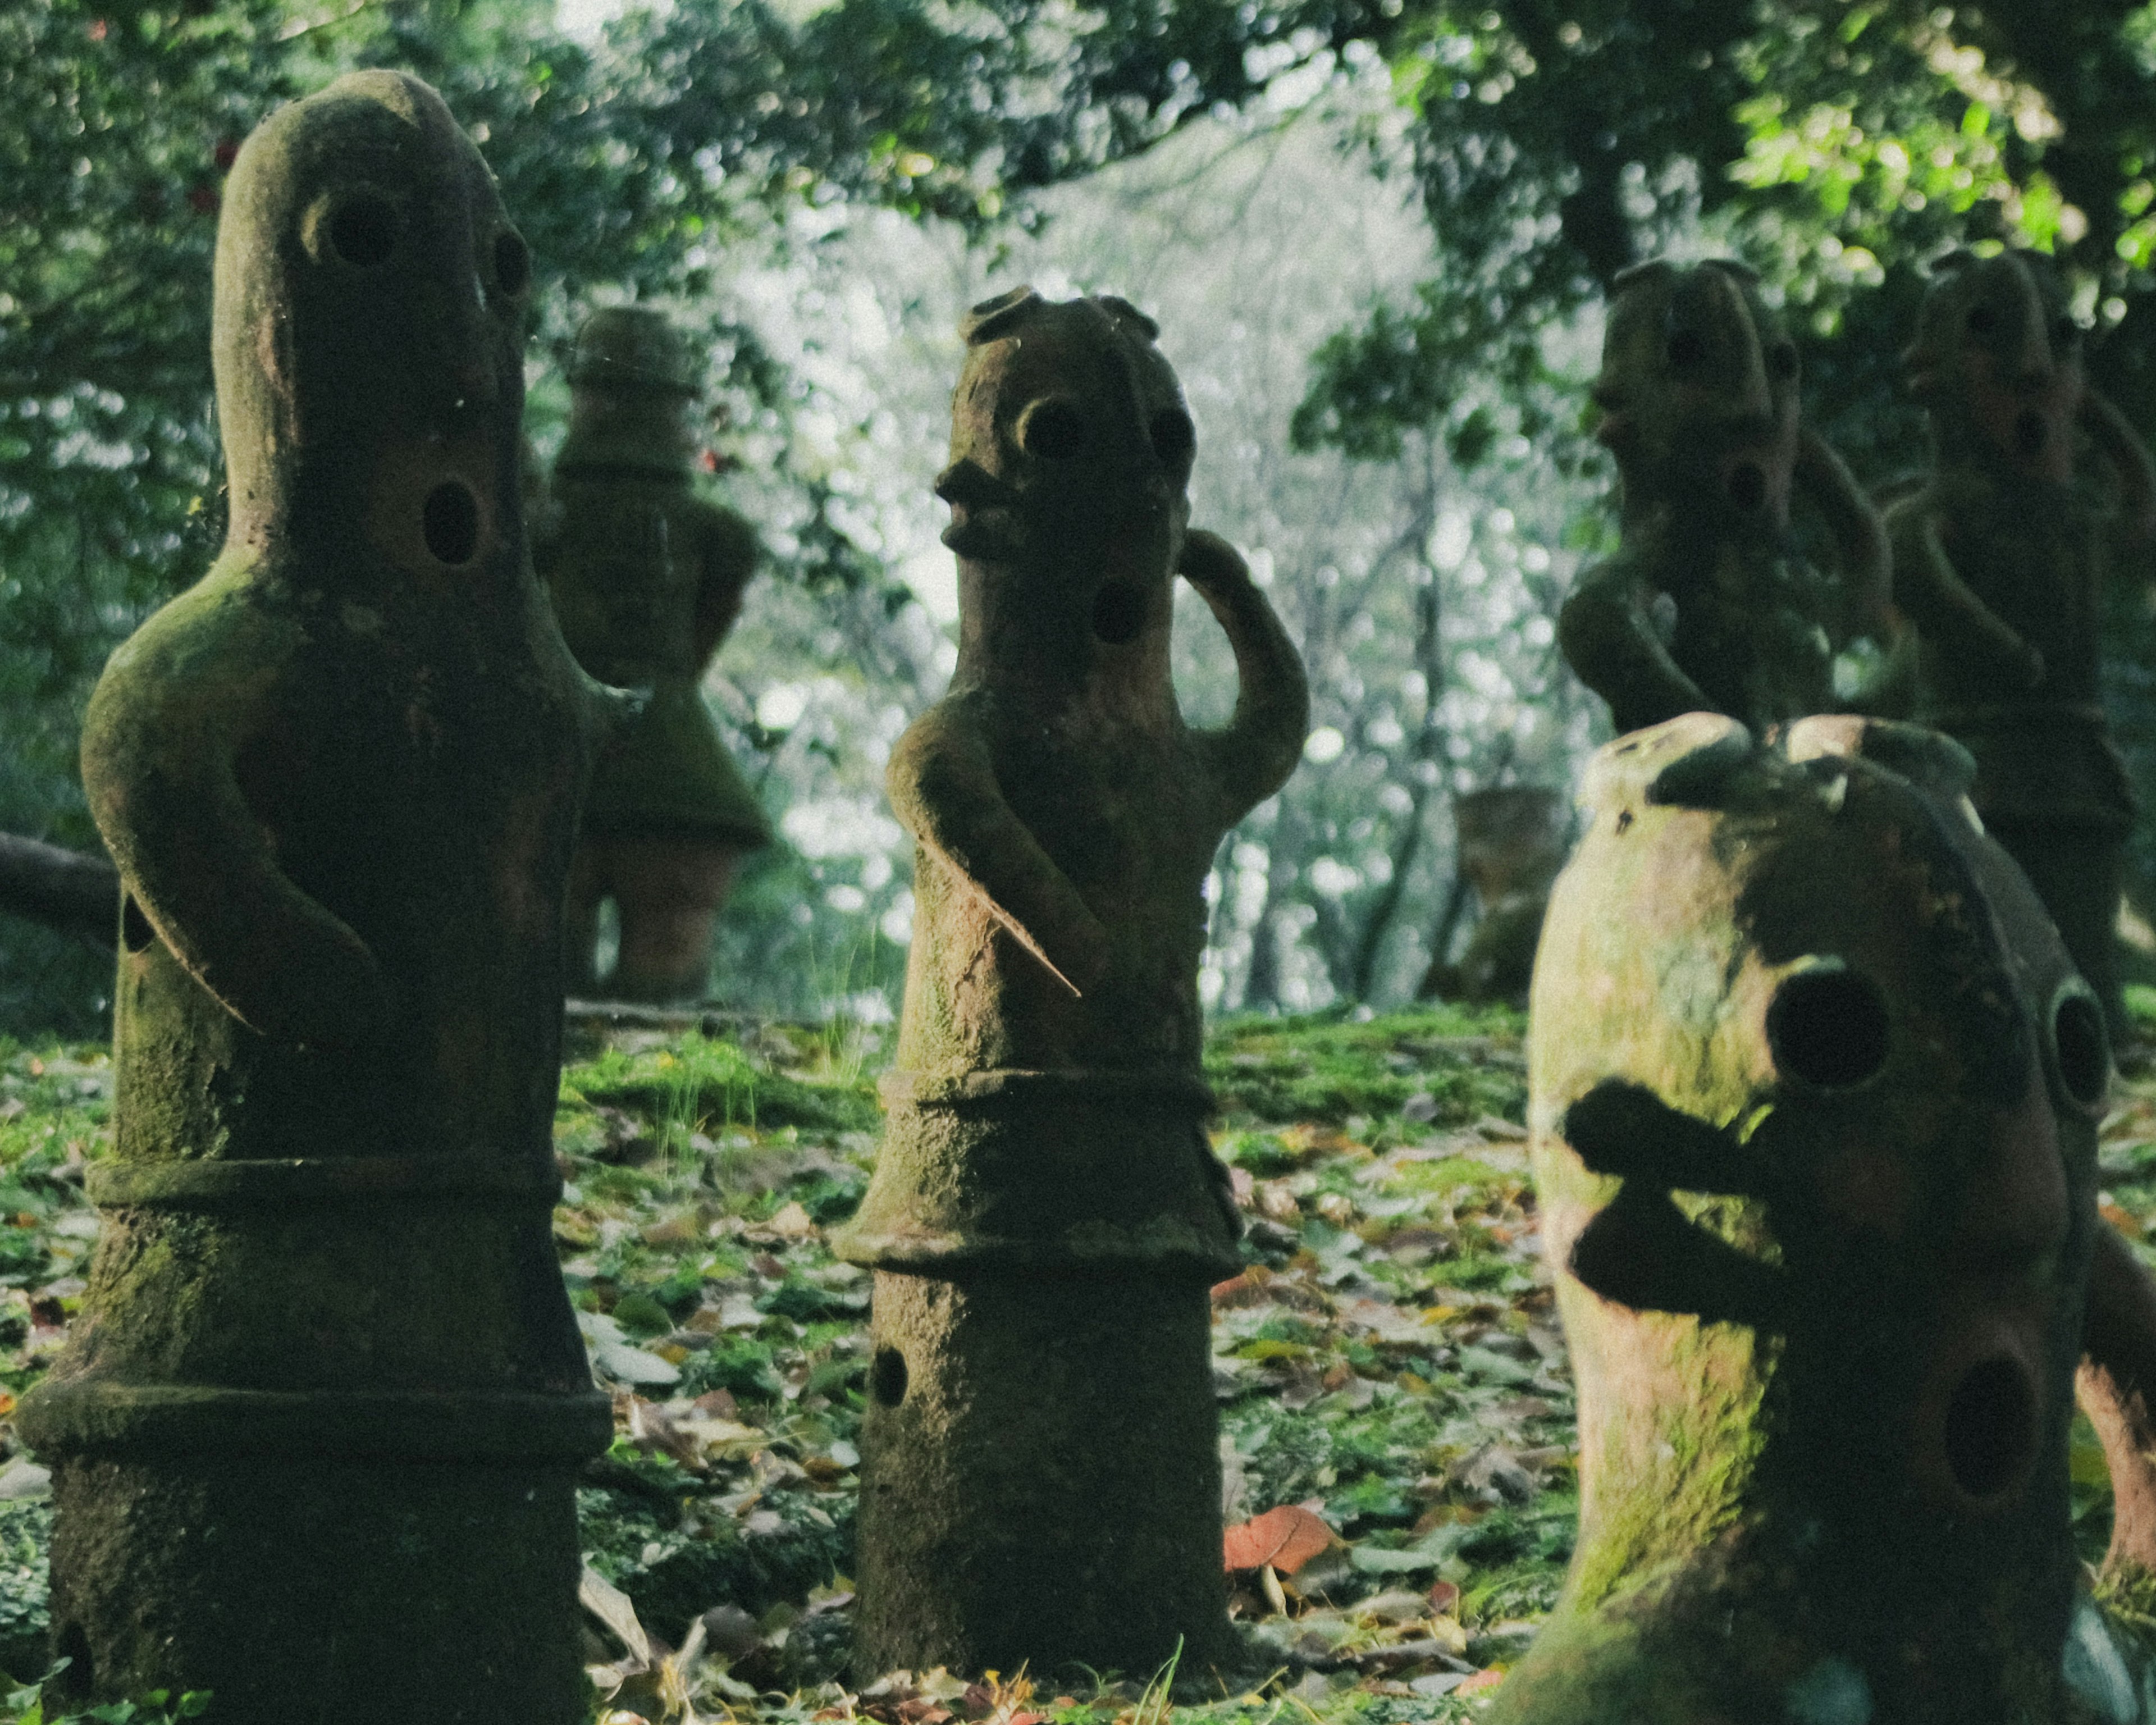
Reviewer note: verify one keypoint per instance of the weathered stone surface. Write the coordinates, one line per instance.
(2000, 561)
(1814, 1092)
(1040, 1480)
(315, 1431)
(647, 578)
(1707, 606)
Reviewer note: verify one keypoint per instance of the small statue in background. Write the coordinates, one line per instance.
(1511, 840)
(647, 579)
(1814, 1099)
(2000, 562)
(1040, 1477)
(1706, 605)
(314, 1434)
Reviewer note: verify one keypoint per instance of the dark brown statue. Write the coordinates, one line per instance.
(1814, 1095)
(2000, 562)
(1040, 1472)
(647, 578)
(314, 1434)
(1706, 605)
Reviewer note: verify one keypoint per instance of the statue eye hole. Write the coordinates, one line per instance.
(1686, 349)
(1174, 438)
(362, 229)
(512, 262)
(1829, 1029)
(2082, 1048)
(449, 521)
(1982, 319)
(1782, 359)
(1052, 431)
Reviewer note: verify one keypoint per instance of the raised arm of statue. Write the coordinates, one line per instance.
(1607, 639)
(2136, 472)
(1251, 757)
(729, 556)
(1867, 559)
(943, 790)
(1943, 606)
(175, 709)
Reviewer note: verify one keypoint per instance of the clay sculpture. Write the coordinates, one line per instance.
(1511, 842)
(314, 1432)
(1706, 606)
(646, 577)
(1040, 1470)
(1814, 1089)
(2000, 561)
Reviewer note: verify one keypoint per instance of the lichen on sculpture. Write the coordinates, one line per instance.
(1707, 605)
(1040, 1472)
(647, 578)
(2000, 561)
(315, 1432)
(1814, 1090)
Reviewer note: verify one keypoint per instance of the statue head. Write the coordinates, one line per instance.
(370, 300)
(1070, 458)
(631, 381)
(1698, 392)
(1998, 360)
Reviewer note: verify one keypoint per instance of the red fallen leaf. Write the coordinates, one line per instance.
(1286, 1537)
(1444, 1597)
(1028, 1719)
(1480, 1682)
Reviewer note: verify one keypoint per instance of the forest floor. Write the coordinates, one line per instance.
(1389, 1368)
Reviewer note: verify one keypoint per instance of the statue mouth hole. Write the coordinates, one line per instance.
(449, 521)
(1829, 1029)
(887, 1376)
(1747, 487)
(1119, 612)
(1991, 1427)
(2030, 433)
(2083, 1050)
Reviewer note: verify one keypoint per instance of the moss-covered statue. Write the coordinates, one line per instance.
(647, 578)
(1708, 605)
(2000, 562)
(1814, 1090)
(314, 1432)
(1040, 1475)
(1510, 841)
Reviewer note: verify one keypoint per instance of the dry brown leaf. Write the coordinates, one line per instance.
(1286, 1537)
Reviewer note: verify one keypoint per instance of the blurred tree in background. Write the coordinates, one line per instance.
(1402, 442)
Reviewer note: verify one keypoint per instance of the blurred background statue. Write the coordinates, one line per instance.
(647, 579)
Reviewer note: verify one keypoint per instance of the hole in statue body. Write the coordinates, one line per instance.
(449, 522)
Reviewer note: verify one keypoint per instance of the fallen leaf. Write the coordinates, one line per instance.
(1286, 1537)
(1481, 1682)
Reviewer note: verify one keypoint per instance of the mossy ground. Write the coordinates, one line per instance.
(1389, 1359)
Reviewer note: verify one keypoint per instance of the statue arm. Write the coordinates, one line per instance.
(2129, 454)
(1867, 560)
(159, 742)
(1941, 605)
(1252, 757)
(944, 788)
(1606, 640)
(729, 556)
